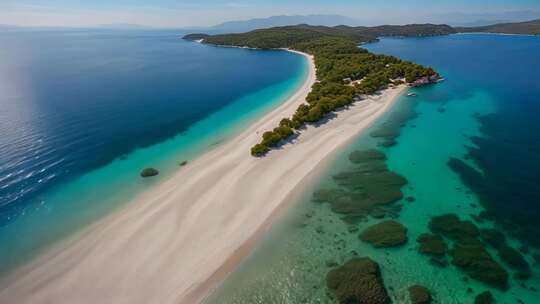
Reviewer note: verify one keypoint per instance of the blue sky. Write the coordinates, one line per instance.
(171, 13)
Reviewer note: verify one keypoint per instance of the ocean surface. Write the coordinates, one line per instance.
(82, 112)
(468, 146)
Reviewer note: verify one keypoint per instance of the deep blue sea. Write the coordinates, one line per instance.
(82, 112)
(471, 149)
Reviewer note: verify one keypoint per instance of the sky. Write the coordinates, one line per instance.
(186, 13)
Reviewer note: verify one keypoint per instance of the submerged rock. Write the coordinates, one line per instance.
(385, 234)
(492, 237)
(432, 244)
(327, 195)
(388, 143)
(364, 189)
(360, 203)
(473, 258)
(378, 213)
(149, 172)
(331, 263)
(358, 281)
(439, 262)
(351, 205)
(380, 187)
(367, 155)
(388, 131)
(484, 298)
(512, 258)
(419, 295)
(536, 257)
(522, 275)
(451, 226)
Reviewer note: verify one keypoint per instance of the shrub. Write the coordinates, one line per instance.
(259, 150)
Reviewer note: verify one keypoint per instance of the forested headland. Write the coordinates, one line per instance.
(527, 28)
(345, 72)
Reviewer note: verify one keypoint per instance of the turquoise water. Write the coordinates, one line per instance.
(290, 264)
(163, 101)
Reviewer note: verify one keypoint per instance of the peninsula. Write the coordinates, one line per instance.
(515, 28)
(345, 72)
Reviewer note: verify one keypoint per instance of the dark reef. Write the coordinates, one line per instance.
(358, 281)
(432, 244)
(149, 172)
(452, 227)
(385, 234)
(492, 237)
(367, 188)
(419, 295)
(473, 258)
(468, 252)
(512, 258)
(484, 298)
(357, 157)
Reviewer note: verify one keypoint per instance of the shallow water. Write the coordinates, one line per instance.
(486, 75)
(83, 112)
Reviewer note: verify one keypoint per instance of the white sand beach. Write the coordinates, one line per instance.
(177, 241)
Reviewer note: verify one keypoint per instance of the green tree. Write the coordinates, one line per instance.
(259, 150)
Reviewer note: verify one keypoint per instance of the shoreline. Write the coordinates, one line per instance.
(178, 241)
(499, 34)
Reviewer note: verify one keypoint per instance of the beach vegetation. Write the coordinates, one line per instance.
(259, 150)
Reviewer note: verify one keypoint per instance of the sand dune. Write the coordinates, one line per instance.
(176, 241)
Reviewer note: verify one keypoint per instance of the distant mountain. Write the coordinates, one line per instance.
(275, 21)
(527, 27)
(124, 26)
(473, 19)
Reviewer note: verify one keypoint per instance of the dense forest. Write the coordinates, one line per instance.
(345, 72)
(529, 28)
(364, 34)
(279, 37)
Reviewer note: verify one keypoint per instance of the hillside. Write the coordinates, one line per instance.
(409, 30)
(527, 28)
(280, 37)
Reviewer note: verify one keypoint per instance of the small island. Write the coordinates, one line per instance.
(149, 172)
(345, 72)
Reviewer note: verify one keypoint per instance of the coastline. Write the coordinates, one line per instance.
(499, 34)
(181, 238)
